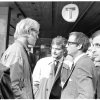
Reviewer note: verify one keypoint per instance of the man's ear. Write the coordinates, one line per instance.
(79, 46)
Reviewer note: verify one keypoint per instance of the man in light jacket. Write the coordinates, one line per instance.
(46, 84)
(16, 57)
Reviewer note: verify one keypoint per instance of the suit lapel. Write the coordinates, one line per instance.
(53, 78)
(64, 72)
(73, 66)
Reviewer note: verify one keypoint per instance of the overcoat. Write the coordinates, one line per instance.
(53, 84)
(16, 58)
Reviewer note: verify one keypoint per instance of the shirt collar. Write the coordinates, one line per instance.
(60, 60)
(78, 57)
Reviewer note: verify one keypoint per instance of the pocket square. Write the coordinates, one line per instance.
(70, 79)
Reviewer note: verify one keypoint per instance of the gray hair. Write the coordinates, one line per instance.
(23, 26)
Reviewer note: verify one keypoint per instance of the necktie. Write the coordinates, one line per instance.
(56, 66)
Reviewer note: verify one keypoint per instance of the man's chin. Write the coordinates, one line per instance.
(54, 57)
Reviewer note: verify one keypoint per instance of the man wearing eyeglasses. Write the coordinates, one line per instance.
(96, 58)
(80, 83)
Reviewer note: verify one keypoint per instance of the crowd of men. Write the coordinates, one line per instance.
(72, 71)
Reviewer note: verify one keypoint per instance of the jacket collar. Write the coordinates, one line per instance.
(52, 60)
(78, 57)
(22, 44)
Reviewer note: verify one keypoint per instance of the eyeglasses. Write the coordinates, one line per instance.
(71, 43)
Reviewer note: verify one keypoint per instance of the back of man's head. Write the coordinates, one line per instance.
(97, 33)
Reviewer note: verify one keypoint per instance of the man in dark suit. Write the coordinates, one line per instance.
(81, 81)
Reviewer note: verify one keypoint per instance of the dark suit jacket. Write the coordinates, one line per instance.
(82, 82)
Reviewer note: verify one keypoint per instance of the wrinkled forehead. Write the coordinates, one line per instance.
(56, 46)
(72, 38)
(96, 39)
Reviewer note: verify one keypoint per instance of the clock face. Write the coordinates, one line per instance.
(70, 12)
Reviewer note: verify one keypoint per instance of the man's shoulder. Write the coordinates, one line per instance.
(14, 47)
(12, 50)
(85, 61)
